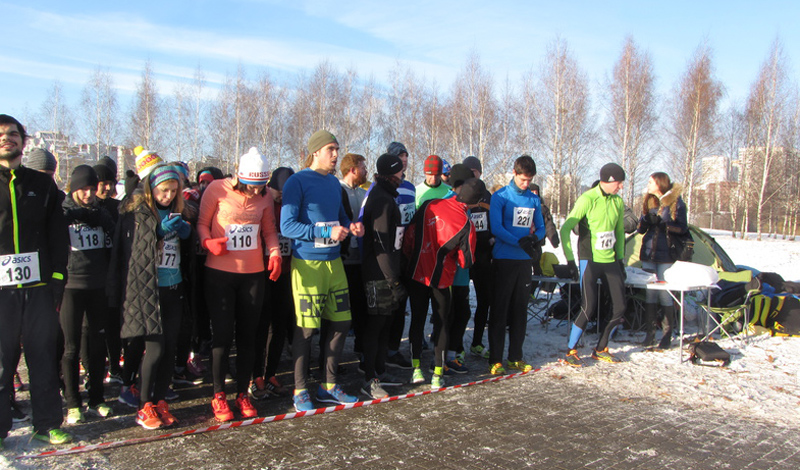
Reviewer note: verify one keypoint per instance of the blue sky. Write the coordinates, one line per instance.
(49, 40)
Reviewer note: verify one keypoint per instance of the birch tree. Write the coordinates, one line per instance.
(100, 111)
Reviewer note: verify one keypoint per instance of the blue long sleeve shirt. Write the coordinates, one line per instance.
(312, 205)
(512, 212)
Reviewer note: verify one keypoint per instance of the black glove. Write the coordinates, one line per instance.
(652, 218)
(529, 243)
(574, 273)
(621, 265)
(399, 293)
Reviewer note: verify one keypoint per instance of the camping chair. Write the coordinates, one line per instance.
(724, 317)
(540, 301)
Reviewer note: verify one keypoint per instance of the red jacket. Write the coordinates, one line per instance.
(439, 236)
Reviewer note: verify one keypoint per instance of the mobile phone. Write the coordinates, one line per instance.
(174, 214)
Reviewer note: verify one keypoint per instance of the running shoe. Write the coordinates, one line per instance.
(572, 359)
(275, 387)
(373, 389)
(462, 357)
(605, 356)
(245, 406)
(222, 411)
(445, 370)
(196, 367)
(185, 377)
(17, 415)
(497, 369)
(437, 382)
(456, 366)
(302, 401)
(335, 396)
(398, 361)
(148, 418)
(101, 411)
(390, 380)
(417, 377)
(129, 396)
(521, 366)
(164, 415)
(54, 436)
(171, 394)
(75, 416)
(479, 351)
(113, 378)
(258, 389)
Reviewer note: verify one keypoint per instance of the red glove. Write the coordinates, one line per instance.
(274, 267)
(216, 246)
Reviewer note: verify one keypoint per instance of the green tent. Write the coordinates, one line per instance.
(706, 251)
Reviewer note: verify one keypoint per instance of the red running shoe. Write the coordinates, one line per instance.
(245, 406)
(221, 409)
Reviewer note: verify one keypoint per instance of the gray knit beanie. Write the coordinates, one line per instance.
(41, 160)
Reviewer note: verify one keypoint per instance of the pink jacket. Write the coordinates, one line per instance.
(225, 212)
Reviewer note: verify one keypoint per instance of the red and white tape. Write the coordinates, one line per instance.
(270, 419)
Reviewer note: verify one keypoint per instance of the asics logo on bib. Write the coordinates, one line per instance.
(241, 229)
(16, 260)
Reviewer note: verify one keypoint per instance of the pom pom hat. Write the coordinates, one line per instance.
(253, 168)
(146, 160)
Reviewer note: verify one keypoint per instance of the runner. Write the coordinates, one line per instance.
(517, 224)
(90, 225)
(313, 217)
(383, 239)
(277, 318)
(433, 187)
(145, 275)
(35, 245)
(603, 210)
(237, 226)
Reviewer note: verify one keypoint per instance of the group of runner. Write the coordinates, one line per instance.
(176, 271)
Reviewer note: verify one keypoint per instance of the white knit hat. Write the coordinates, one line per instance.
(253, 168)
(146, 160)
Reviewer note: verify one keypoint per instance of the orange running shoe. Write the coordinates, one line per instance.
(163, 412)
(147, 417)
(245, 406)
(221, 409)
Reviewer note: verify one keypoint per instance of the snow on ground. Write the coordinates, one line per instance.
(762, 381)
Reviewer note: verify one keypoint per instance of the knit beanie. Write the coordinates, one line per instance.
(104, 173)
(471, 191)
(82, 176)
(110, 163)
(396, 148)
(279, 177)
(445, 167)
(146, 160)
(460, 173)
(212, 171)
(253, 168)
(611, 172)
(320, 139)
(41, 160)
(433, 165)
(473, 163)
(162, 173)
(389, 164)
(181, 168)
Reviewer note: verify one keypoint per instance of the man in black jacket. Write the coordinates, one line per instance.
(34, 246)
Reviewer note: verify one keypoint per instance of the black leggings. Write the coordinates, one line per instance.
(419, 294)
(481, 274)
(274, 327)
(611, 274)
(335, 334)
(77, 304)
(460, 314)
(159, 350)
(234, 304)
(512, 291)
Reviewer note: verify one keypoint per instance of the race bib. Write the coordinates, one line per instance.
(285, 245)
(406, 212)
(325, 242)
(523, 217)
(480, 220)
(82, 237)
(19, 269)
(170, 254)
(605, 241)
(398, 238)
(242, 237)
